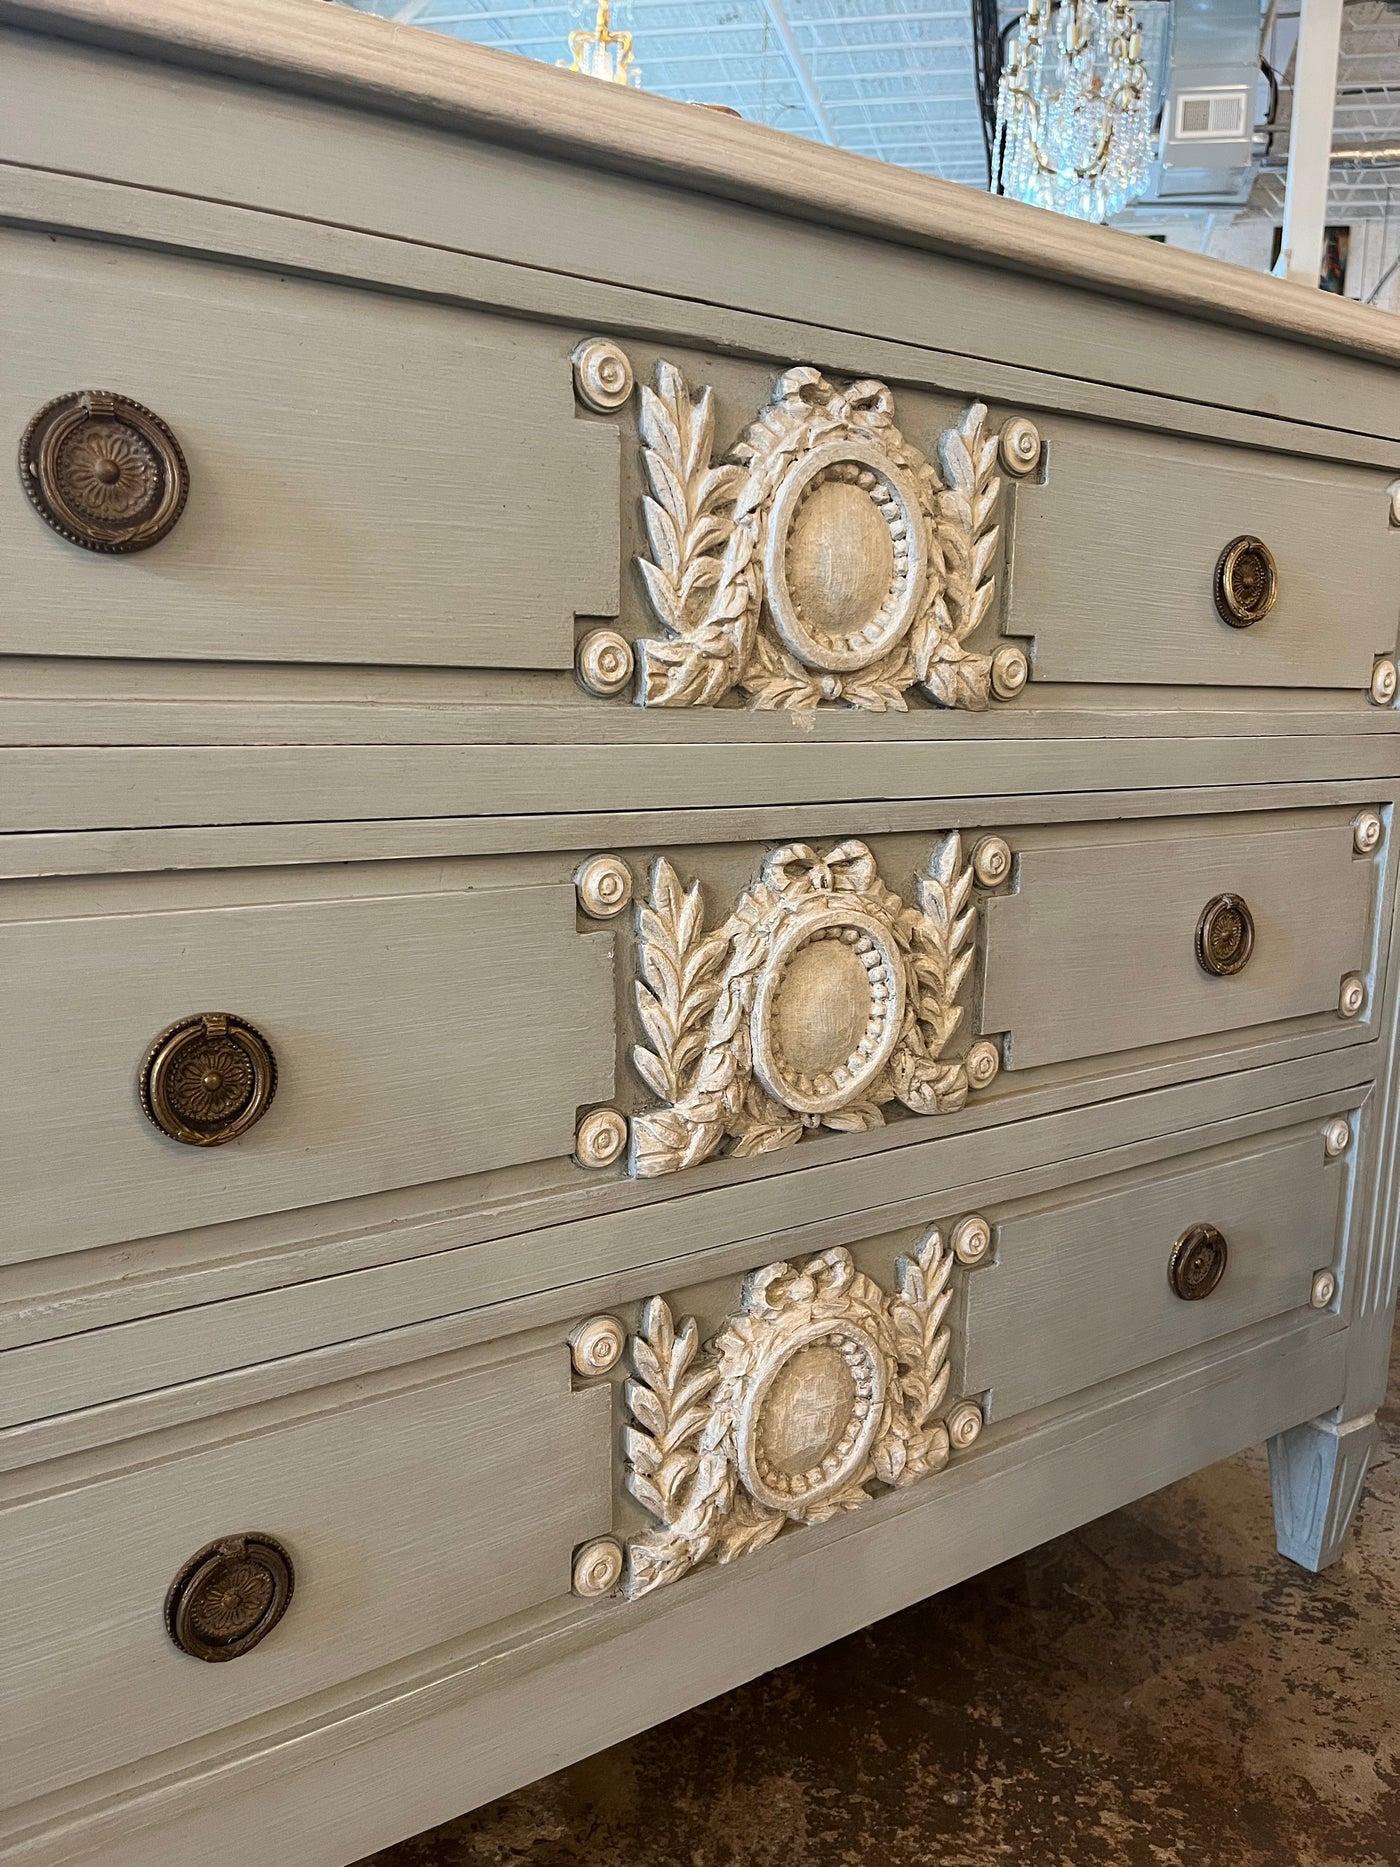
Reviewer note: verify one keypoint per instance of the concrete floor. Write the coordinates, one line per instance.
(1157, 1690)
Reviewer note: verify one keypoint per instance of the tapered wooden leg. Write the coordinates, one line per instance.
(1317, 1470)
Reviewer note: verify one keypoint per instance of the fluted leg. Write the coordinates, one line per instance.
(1317, 1470)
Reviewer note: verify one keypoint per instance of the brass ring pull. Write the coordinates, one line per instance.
(1224, 935)
(229, 1596)
(1246, 582)
(103, 471)
(1198, 1262)
(207, 1079)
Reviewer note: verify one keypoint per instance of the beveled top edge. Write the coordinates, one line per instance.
(400, 70)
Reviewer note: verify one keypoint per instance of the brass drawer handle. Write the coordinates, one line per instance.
(229, 1596)
(103, 471)
(1198, 1262)
(1225, 935)
(1246, 582)
(207, 1079)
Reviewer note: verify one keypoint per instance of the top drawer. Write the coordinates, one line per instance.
(1116, 554)
(370, 479)
(286, 471)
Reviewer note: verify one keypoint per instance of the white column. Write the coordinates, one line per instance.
(1310, 139)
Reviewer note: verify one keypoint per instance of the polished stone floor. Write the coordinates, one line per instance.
(1156, 1690)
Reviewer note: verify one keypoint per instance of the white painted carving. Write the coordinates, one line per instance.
(1020, 446)
(604, 885)
(602, 374)
(596, 1346)
(605, 661)
(827, 560)
(821, 999)
(821, 1386)
(600, 1138)
(597, 1567)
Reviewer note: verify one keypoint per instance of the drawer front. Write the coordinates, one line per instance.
(414, 1038)
(914, 564)
(1116, 550)
(1081, 1289)
(818, 1383)
(644, 1011)
(382, 480)
(371, 479)
(1096, 950)
(410, 1515)
(666, 1418)
(847, 986)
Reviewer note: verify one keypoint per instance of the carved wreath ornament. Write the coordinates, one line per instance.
(827, 560)
(821, 1386)
(820, 1000)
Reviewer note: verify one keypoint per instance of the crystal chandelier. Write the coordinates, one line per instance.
(603, 53)
(1073, 131)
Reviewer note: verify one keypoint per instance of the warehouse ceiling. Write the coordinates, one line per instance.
(1367, 116)
(894, 79)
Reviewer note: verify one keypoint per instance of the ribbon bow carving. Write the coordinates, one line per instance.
(798, 869)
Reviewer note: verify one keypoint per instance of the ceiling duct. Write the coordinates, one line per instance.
(1208, 105)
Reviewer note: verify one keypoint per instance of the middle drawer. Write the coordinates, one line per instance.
(188, 1051)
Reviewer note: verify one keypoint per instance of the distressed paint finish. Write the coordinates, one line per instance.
(342, 508)
(1317, 1471)
(399, 1499)
(1189, 1695)
(1079, 1291)
(1095, 951)
(322, 759)
(415, 1038)
(1131, 601)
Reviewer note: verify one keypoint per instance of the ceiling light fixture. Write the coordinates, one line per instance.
(603, 53)
(1073, 131)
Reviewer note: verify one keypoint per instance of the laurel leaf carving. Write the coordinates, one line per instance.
(693, 1452)
(706, 526)
(695, 999)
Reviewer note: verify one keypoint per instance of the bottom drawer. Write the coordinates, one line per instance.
(399, 1513)
(1129, 1269)
(800, 1391)
(621, 1436)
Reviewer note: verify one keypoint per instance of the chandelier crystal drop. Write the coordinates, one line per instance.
(603, 53)
(1073, 109)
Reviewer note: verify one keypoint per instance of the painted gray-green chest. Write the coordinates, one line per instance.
(696, 909)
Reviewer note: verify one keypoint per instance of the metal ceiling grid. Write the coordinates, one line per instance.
(1367, 114)
(894, 79)
(891, 79)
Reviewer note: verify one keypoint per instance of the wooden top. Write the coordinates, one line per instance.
(330, 52)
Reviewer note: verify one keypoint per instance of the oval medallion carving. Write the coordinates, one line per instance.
(807, 1427)
(846, 561)
(820, 1386)
(826, 561)
(841, 560)
(828, 1009)
(822, 999)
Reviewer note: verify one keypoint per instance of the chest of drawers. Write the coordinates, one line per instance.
(696, 910)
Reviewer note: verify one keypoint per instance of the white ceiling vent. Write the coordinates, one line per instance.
(1210, 116)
